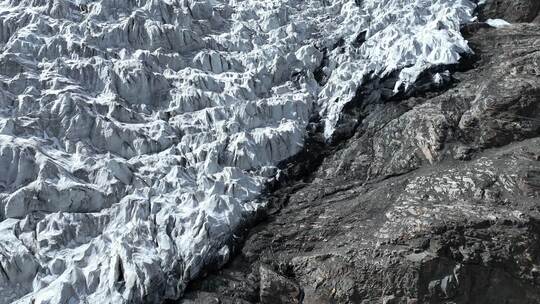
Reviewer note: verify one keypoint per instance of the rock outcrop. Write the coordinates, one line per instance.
(136, 136)
(432, 197)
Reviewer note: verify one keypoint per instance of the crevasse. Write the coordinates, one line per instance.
(137, 135)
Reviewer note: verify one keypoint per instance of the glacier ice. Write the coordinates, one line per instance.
(497, 23)
(136, 136)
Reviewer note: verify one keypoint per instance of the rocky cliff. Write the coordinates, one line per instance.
(430, 196)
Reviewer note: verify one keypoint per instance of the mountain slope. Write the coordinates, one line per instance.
(137, 136)
(433, 198)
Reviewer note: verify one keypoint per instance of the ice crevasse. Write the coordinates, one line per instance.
(137, 135)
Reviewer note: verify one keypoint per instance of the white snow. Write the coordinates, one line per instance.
(497, 23)
(136, 136)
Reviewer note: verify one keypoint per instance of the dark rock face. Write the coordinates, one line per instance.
(511, 10)
(275, 289)
(434, 199)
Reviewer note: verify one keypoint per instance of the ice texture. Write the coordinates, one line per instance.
(136, 136)
(498, 23)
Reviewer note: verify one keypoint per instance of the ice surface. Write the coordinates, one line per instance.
(137, 135)
(497, 23)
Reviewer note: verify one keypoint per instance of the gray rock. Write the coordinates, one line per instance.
(275, 288)
(513, 11)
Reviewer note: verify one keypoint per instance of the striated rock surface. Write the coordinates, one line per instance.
(137, 136)
(432, 197)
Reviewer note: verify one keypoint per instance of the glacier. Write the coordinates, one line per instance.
(137, 136)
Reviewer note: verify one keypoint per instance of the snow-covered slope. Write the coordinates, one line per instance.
(137, 135)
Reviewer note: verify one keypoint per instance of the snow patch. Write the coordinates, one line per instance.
(497, 23)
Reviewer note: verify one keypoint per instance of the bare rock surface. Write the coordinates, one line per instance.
(432, 197)
(511, 11)
(136, 136)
